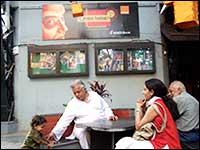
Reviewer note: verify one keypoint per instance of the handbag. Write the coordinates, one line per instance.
(148, 130)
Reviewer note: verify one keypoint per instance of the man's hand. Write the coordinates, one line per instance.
(51, 136)
(51, 143)
(113, 118)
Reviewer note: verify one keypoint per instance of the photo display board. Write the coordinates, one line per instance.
(57, 61)
(124, 58)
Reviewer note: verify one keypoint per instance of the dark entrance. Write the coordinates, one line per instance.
(184, 65)
(182, 47)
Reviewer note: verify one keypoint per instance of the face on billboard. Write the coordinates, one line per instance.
(53, 22)
(105, 20)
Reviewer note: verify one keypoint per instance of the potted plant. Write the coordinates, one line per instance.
(98, 87)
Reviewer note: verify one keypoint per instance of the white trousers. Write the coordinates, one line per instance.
(130, 143)
(82, 135)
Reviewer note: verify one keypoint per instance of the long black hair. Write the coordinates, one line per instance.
(160, 90)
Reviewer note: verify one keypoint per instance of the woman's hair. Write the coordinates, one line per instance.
(161, 90)
(37, 120)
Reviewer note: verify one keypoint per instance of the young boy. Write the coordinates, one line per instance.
(34, 137)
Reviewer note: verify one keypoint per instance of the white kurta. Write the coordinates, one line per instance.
(82, 112)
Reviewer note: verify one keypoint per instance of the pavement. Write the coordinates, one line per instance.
(12, 140)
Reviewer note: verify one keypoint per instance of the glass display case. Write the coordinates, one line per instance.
(125, 58)
(57, 61)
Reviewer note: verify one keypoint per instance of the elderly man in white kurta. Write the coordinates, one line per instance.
(86, 106)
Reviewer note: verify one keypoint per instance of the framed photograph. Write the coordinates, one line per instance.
(43, 63)
(73, 62)
(140, 59)
(57, 61)
(124, 58)
(109, 60)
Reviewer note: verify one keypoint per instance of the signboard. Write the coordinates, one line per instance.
(99, 20)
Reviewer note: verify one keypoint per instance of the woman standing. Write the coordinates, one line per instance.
(154, 92)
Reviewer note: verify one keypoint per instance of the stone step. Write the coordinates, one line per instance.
(9, 127)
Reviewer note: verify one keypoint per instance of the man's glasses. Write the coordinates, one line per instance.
(52, 21)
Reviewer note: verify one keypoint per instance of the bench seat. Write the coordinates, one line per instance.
(65, 144)
(52, 119)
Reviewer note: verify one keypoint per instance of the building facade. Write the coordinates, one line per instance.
(47, 95)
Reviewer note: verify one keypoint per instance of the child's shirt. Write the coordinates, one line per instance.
(32, 140)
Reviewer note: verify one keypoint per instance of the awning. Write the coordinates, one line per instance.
(172, 34)
(185, 13)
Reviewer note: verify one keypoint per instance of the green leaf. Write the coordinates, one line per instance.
(100, 89)
(65, 105)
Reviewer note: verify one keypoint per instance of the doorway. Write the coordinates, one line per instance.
(184, 65)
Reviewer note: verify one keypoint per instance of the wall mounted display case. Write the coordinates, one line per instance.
(125, 58)
(57, 61)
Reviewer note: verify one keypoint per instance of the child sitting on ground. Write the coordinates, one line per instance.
(34, 137)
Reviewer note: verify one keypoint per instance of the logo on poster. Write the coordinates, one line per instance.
(97, 18)
(119, 32)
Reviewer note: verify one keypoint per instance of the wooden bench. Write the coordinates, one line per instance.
(63, 143)
(124, 113)
(52, 119)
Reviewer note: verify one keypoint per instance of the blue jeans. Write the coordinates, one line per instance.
(189, 136)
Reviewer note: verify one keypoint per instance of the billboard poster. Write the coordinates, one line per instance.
(99, 20)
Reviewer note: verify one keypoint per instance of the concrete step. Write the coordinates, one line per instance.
(9, 127)
(12, 140)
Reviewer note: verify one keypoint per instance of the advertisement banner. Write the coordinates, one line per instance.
(99, 20)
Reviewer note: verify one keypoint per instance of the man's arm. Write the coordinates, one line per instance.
(181, 105)
(63, 123)
(108, 111)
